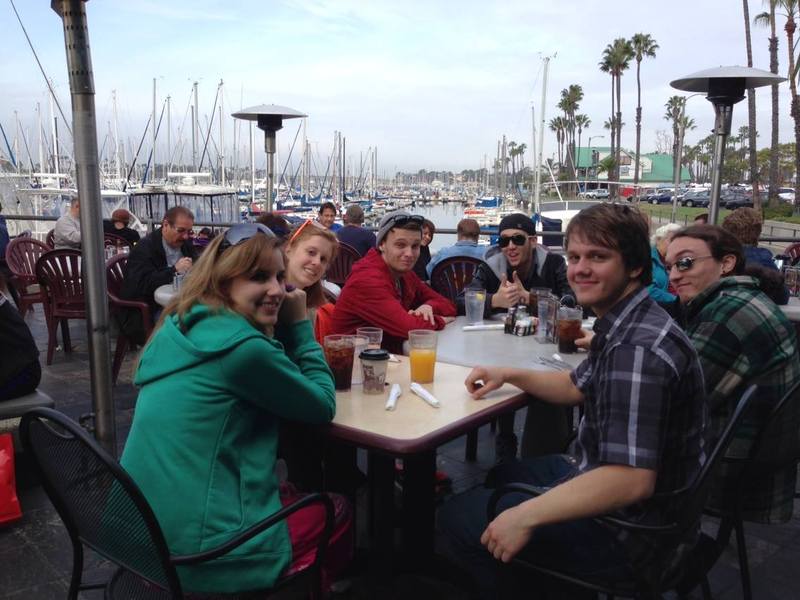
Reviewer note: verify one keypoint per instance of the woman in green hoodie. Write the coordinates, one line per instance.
(232, 356)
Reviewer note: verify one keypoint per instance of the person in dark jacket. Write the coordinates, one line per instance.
(20, 371)
(119, 225)
(421, 266)
(353, 233)
(154, 261)
(516, 266)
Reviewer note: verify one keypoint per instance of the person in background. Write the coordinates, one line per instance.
(232, 357)
(420, 267)
(641, 435)
(383, 290)
(4, 236)
(468, 231)
(20, 371)
(67, 233)
(327, 216)
(742, 338)
(279, 225)
(659, 288)
(353, 234)
(517, 265)
(701, 219)
(310, 250)
(154, 262)
(205, 234)
(119, 225)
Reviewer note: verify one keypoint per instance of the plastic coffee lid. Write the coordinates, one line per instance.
(374, 354)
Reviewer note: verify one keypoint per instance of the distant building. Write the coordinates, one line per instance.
(654, 169)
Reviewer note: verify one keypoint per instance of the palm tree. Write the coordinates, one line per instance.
(581, 122)
(643, 46)
(791, 7)
(751, 110)
(616, 59)
(557, 125)
(768, 19)
(675, 107)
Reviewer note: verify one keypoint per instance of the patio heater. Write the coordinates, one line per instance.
(81, 83)
(724, 87)
(269, 117)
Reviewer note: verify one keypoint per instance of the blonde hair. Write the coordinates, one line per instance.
(208, 282)
(664, 231)
(314, 295)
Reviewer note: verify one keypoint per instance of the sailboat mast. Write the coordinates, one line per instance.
(538, 170)
(221, 135)
(41, 137)
(54, 132)
(303, 179)
(168, 163)
(153, 122)
(195, 126)
(117, 144)
(252, 166)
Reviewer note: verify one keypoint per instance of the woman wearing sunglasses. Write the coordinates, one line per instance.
(232, 356)
(742, 338)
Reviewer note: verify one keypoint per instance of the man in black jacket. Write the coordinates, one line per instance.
(155, 260)
(509, 274)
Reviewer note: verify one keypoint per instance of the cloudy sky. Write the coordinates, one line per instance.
(432, 84)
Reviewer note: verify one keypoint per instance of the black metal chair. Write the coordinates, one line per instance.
(655, 578)
(452, 275)
(339, 269)
(102, 508)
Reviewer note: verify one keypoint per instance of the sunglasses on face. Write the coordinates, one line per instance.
(685, 263)
(243, 232)
(518, 239)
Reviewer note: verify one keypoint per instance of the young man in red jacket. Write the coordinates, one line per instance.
(383, 290)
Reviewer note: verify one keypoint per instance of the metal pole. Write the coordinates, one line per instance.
(221, 134)
(538, 172)
(169, 138)
(252, 167)
(79, 64)
(269, 147)
(722, 127)
(195, 128)
(676, 178)
(153, 121)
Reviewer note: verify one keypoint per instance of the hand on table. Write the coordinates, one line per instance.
(507, 534)
(184, 264)
(482, 380)
(425, 311)
(585, 340)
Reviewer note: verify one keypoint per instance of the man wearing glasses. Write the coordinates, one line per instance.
(155, 260)
(383, 290)
(509, 275)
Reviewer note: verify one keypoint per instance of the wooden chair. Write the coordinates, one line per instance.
(452, 275)
(21, 256)
(103, 509)
(339, 269)
(59, 275)
(115, 276)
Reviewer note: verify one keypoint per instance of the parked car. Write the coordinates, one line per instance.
(600, 193)
(735, 198)
(699, 198)
(659, 198)
(786, 194)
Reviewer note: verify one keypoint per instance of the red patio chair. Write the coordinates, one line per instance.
(115, 241)
(59, 275)
(452, 275)
(793, 251)
(21, 256)
(51, 239)
(115, 276)
(339, 269)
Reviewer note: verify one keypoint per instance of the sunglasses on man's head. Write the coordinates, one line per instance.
(518, 238)
(685, 263)
(400, 220)
(243, 232)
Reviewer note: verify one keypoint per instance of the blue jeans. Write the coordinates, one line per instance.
(580, 547)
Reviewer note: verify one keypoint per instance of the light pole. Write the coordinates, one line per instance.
(724, 87)
(592, 137)
(269, 117)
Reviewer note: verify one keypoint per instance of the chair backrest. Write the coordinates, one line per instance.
(116, 241)
(59, 274)
(340, 267)
(115, 275)
(50, 240)
(776, 445)
(21, 256)
(450, 276)
(99, 503)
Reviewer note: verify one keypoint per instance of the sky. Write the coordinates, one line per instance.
(432, 84)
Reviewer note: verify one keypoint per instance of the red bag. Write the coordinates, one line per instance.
(9, 503)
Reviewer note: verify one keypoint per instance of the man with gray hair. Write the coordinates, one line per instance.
(67, 233)
(353, 234)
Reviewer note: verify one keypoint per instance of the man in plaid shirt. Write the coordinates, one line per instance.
(642, 431)
(742, 337)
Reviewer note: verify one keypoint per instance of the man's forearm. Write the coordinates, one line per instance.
(597, 492)
(553, 387)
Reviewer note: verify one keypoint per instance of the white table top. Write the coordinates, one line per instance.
(495, 349)
(164, 293)
(792, 310)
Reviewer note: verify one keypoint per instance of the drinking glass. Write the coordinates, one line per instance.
(360, 342)
(373, 334)
(569, 328)
(339, 355)
(547, 306)
(473, 302)
(422, 354)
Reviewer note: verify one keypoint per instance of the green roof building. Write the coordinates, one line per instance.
(655, 168)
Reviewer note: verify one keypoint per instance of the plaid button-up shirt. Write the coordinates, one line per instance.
(644, 405)
(742, 338)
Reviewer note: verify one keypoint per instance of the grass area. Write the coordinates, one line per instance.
(683, 215)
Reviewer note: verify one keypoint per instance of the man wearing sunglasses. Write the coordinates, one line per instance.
(520, 264)
(154, 261)
(383, 290)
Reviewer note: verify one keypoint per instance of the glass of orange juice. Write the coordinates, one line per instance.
(422, 354)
